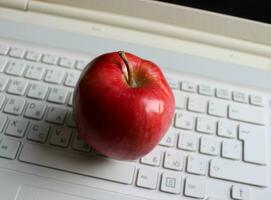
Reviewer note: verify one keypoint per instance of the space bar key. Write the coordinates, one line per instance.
(89, 165)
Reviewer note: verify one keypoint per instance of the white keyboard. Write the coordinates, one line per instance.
(218, 133)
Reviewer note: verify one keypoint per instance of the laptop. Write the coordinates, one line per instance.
(218, 66)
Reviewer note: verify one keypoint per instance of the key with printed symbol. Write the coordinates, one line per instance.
(54, 76)
(72, 79)
(227, 128)
(14, 106)
(188, 141)
(49, 59)
(256, 100)
(17, 87)
(66, 62)
(153, 158)
(147, 178)
(231, 149)
(195, 187)
(34, 72)
(81, 64)
(79, 145)
(169, 140)
(196, 165)
(206, 125)
(33, 55)
(174, 160)
(35, 110)
(60, 136)
(3, 82)
(58, 95)
(15, 68)
(188, 86)
(8, 148)
(209, 145)
(17, 127)
(223, 93)
(239, 192)
(16, 52)
(217, 108)
(254, 140)
(197, 104)
(4, 49)
(184, 120)
(206, 90)
(56, 115)
(38, 132)
(37, 91)
(171, 182)
(240, 97)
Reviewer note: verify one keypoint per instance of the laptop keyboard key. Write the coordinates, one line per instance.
(196, 165)
(54, 76)
(38, 132)
(194, 187)
(3, 63)
(56, 115)
(49, 59)
(17, 127)
(33, 55)
(37, 91)
(72, 79)
(60, 136)
(223, 93)
(89, 165)
(3, 82)
(34, 72)
(15, 68)
(171, 182)
(8, 148)
(35, 110)
(58, 95)
(17, 87)
(3, 120)
(14, 106)
(3, 49)
(147, 178)
(16, 52)
(184, 120)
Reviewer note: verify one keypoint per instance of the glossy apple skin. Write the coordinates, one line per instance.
(117, 120)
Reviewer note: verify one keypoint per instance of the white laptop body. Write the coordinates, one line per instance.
(219, 67)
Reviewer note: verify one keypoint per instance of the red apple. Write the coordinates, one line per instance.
(122, 105)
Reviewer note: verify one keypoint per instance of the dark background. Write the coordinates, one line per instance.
(259, 10)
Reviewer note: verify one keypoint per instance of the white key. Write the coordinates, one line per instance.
(2, 99)
(70, 121)
(72, 79)
(81, 64)
(206, 90)
(38, 132)
(184, 120)
(256, 100)
(88, 166)
(3, 62)
(223, 93)
(227, 129)
(217, 108)
(70, 100)
(188, 86)
(206, 125)
(174, 160)
(231, 149)
(238, 172)
(34, 72)
(173, 83)
(210, 146)
(14, 106)
(8, 148)
(3, 49)
(240, 192)
(188, 141)
(49, 59)
(66, 62)
(58, 95)
(197, 104)
(171, 182)
(17, 127)
(37, 91)
(56, 115)
(17, 87)
(80, 145)
(153, 158)
(60, 136)
(55, 76)
(3, 120)
(254, 138)
(35, 110)
(3, 82)
(247, 113)
(16, 52)
(179, 99)
(194, 187)
(196, 165)
(15, 68)
(169, 140)
(147, 178)
(33, 55)
(240, 97)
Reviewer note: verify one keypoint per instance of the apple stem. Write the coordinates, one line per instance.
(128, 70)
